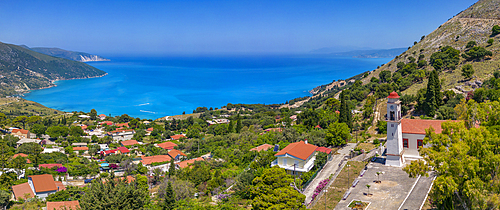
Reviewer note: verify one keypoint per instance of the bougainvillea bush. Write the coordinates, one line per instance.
(319, 188)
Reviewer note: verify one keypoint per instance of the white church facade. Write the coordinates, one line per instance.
(405, 136)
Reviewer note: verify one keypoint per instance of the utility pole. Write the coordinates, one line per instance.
(324, 194)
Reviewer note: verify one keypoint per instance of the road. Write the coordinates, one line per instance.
(330, 168)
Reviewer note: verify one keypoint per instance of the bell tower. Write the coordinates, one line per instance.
(394, 144)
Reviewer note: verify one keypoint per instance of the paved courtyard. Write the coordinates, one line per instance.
(391, 192)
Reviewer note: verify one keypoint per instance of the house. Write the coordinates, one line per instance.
(103, 146)
(122, 125)
(21, 133)
(155, 159)
(119, 150)
(84, 127)
(129, 143)
(53, 149)
(296, 158)
(167, 145)
(27, 140)
(150, 129)
(176, 154)
(50, 165)
(79, 144)
(263, 147)
(122, 134)
(187, 163)
(84, 149)
(83, 116)
(102, 116)
(405, 136)
(106, 123)
(324, 150)
(273, 130)
(178, 136)
(63, 205)
(22, 155)
(40, 186)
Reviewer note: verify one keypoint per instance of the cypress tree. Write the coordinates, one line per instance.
(431, 105)
(238, 124)
(171, 168)
(169, 197)
(345, 113)
(437, 90)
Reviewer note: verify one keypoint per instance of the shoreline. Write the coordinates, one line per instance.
(53, 83)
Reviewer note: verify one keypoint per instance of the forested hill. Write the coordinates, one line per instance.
(70, 55)
(469, 34)
(22, 69)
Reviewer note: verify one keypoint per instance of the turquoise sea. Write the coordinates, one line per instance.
(153, 87)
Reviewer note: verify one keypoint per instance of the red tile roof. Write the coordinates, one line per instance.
(167, 145)
(102, 115)
(324, 149)
(155, 159)
(51, 165)
(186, 163)
(264, 147)
(43, 183)
(22, 155)
(63, 205)
(60, 186)
(299, 150)
(150, 129)
(84, 127)
(177, 136)
(122, 124)
(173, 153)
(80, 148)
(123, 150)
(418, 126)
(393, 95)
(107, 122)
(274, 130)
(20, 130)
(129, 142)
(21, 190)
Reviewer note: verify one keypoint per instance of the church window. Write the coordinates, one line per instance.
(392, 116)
(392, 125)
(405, 143)
(420, 143)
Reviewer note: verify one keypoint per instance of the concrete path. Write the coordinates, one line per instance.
(330, 168)
(418, 194)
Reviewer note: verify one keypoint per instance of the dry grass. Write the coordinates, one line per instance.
(24, 107)
(339, 186)
(182, 116)
(366, 146)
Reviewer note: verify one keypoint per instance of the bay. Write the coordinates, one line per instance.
(153, 87)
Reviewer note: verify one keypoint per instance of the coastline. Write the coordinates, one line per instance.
(53, 83)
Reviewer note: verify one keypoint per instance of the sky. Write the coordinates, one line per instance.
(200, 27)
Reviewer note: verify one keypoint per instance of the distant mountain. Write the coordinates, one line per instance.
(70, 55)
(22, 70)
(363, 53)
(383, 53)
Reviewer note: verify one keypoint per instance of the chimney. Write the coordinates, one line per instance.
(305, 141)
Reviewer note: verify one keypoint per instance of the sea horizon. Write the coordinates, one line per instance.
(154, 87)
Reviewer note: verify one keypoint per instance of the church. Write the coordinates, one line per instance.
(405, 136)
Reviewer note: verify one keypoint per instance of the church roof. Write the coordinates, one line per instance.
(418, 126)
(393, 95)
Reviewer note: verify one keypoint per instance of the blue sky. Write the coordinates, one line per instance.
(180, 27)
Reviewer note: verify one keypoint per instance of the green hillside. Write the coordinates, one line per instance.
(472, 24)
(22, 70)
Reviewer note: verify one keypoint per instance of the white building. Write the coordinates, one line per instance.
(296, 158)
(405, 136)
